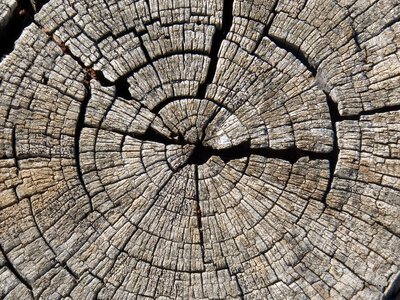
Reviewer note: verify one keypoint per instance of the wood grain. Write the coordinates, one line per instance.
(202, 150)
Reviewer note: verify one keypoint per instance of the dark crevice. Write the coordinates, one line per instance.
(121, 85)
(202, 154)
(338, 118)
(38, 227)
(235, 276)
(295, 50)
(142, 47)
(164, 103)
(334, 155)
(391, 23)
(103, 80)
(21, 18)
(241, 293)
(199, 213)
(303, 6)
(14, 148)
(39, 4)
(393, 292)
(14, 270)
(273, 14)
(151, 135)
(206, 124)
(380, 110)
(356, 40)
(68, 269)
(219, 36)
(65, 49)
(98, 278)
(78, 131)
(267, 26)
(89, 74)
(122, 89)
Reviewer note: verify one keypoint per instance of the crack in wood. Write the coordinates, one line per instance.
(80, 124)
(199, 213)
(258, 204)
(21, 18)
(219, 37)
(15, 271)
(393, 290)
(14, 148)
(295, 50)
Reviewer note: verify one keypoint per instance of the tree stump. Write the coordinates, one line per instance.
(202, 150)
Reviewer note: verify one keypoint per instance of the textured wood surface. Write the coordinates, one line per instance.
(202, 150)
(7, 8)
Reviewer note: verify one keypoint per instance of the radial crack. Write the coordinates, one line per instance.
(202, 154)
(334, 155)
(78, 131)
(14, 148)
(219, 37)
(199, 213)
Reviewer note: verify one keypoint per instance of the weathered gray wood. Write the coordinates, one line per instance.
(7, 8)
(202, 150)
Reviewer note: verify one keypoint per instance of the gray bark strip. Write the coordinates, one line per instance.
(201, 150)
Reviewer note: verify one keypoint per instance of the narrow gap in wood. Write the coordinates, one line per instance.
(393, 291)
(336, 117)
(219, 36)
(164, 103)
(78, 131)
(149, 136)
(90, 73)
(273, 15)
(202, 153)
(21, 18)
(241, 293)
(380, 110)
(154, 136)
(142, 47)
(334, 155)
(267, 26)
(14, 270)
(38, 228)
(14, 149)
(293, 49)
(199, 213)
(129, 238)
(391, 23)
(68, 269)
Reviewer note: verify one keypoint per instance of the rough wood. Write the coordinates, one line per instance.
(202, 150)
(7, 8)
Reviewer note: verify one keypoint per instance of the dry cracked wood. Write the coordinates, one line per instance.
(7, 8)
(202, 150)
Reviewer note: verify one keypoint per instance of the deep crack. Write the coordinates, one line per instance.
(202, 154)
(21, 18)
(80, 124)
(219, 37)
(199, 213)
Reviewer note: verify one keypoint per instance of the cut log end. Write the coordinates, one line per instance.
(201, 149)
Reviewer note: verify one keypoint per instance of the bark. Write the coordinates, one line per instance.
(202, 149)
